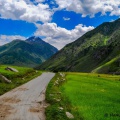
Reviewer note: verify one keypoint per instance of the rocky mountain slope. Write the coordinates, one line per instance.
(96, 51)
(30, 52)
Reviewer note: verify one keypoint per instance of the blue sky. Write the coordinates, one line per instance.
(57, 22)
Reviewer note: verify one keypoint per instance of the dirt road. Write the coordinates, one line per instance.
(27, 101)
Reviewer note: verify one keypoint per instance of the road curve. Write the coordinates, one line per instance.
(25, 102)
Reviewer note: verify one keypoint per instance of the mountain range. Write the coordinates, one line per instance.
(30, 52)
(97, 51)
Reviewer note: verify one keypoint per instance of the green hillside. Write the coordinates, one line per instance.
(30, 53)
(23, 75)
(96, 51)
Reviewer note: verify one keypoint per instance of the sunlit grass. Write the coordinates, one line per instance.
(93, 96)
(18, 78)
(87, 96)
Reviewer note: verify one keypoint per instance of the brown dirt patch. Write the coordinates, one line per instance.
(35, 110)
(11, 100)
(22, 89)
(4, 111)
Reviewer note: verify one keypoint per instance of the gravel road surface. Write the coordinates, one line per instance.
(27, 101)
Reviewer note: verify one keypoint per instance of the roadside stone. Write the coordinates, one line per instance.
(60, 108)
(56, 83)
(62, 74)
(69, 115)
(58, 100)
(11, 69)
(3, 78)
(23, 78)
(45, 106)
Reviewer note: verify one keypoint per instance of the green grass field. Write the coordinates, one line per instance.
(86, 96)
(18, 78)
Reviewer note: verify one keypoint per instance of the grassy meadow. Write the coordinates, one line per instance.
(18, 78)
(86, 96)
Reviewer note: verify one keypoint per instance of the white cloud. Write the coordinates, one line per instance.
(6, 39)
(25, 10)
(58, 36)
(90, 7)
(28, 11)
(66, 19)
(38, 1)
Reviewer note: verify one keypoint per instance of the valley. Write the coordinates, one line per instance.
(85, 96)
(80, 81)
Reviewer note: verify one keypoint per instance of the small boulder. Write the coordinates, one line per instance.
(3, 78)
(23, 78)
(58, 100)
(11, 69)
(69, 115)
(60, 108)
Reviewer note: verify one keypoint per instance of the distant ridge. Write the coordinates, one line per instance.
(96, 51)
(30, 52)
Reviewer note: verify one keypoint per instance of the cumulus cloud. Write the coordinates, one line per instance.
(90, 7)
(58, 36)
(28, 11)
(38, 1)
(6, 39)
(25, 10)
